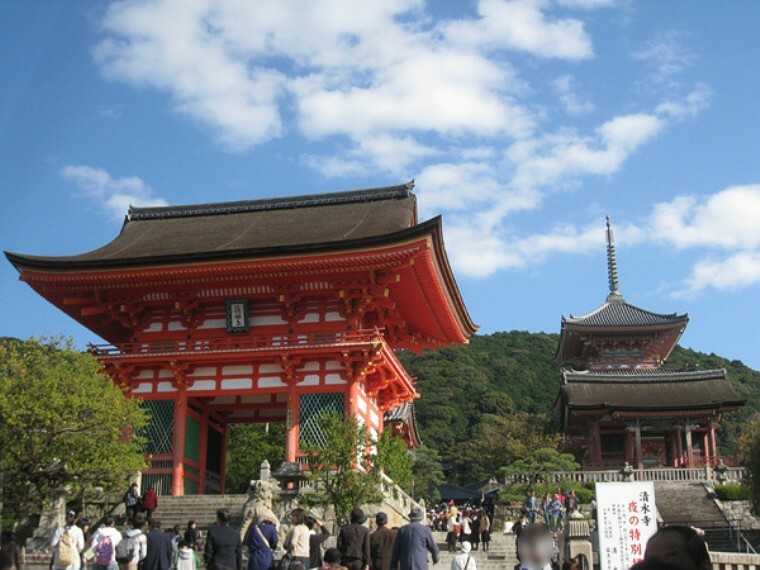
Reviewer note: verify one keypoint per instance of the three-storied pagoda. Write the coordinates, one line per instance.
(271, 310)
(616, 402)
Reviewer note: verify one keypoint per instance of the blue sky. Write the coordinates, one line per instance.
(523, 122)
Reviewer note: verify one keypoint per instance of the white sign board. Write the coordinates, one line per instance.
(626, 519)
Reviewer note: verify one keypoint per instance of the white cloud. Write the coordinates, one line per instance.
(694, 102)
(735, 271)
(570, 100)
(385, 152)
(586, 4)
(522, 25)
(448, 187)
(114, 195)
(667, 55)
(727, 220)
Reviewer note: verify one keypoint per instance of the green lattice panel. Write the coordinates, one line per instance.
(311, 407)
(193, 439)
(158, 433)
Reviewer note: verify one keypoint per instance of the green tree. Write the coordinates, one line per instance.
(343, 467)
(498, 441)
(428, 474)
(539, 463)
(394, 459)
(749, 452)
(249, 445)
(63, 424)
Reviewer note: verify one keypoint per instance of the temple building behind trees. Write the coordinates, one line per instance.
(274, 310)
(618, 404)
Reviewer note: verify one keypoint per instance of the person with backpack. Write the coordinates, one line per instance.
(104, 543)
(68, 543)
(133, 547)
(131, 501)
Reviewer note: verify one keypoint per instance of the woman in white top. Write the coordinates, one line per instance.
(464, 560)
(72, 546)
(297, 539)
(99, 539)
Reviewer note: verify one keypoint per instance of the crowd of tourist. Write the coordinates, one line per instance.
(142, 545)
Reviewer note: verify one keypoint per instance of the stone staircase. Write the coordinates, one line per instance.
(501, 555)
(693, 504)
(200, 508)
(688, 504)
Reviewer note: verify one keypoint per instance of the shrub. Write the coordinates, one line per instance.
(732, 492)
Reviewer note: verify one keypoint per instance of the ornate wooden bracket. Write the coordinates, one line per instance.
(180, 372)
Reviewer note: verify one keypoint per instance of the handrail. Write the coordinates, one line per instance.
(237, 343)
(654, 474)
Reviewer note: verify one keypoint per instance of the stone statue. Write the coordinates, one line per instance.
(260, 505)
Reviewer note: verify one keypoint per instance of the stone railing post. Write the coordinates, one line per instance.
(577, 539)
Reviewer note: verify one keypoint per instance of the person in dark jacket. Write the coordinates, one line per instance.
(10, 553)
(223, 546)
(381, 543)
(319, 534)
(191, 535)
(159, 551)
(261, 539)
(353, 542)
(149, 502)
(413, 542)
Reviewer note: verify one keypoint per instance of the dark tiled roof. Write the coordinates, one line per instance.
(260, 227)
(618, 313)
(267, 204)
(648, 390)
(405, 414)
(399, 413)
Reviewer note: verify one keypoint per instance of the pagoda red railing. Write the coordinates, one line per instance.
(238, 343)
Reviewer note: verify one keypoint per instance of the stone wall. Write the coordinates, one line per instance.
(739, 514)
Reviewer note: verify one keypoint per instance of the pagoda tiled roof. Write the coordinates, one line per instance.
(630, 390)
(404, 413)
(247, 228)
(616, 312)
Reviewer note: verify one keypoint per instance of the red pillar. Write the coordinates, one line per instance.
(291, 426)
(178, 443)
(689, 448)
(629, 447)
(706, 456)
(223, 469)
(679, 447)
(672, 448)
(203, 452)
(597, 439)
(713, 443)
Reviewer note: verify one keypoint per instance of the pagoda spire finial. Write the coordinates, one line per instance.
(612, 271)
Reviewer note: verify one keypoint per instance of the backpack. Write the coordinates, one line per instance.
(104, 553)
(127, 549)
(67, 550)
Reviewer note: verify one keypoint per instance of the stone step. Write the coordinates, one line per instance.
(689, 505)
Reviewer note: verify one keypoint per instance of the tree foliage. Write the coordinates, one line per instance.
(428, 474)
(334, 467)
(248, 446)
(394, 459)
(63, 424)
(749, 451)
(539, 463)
